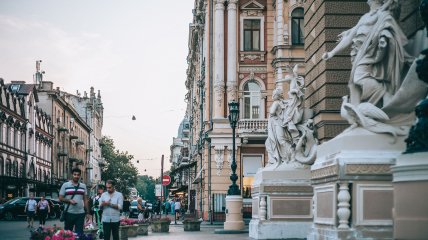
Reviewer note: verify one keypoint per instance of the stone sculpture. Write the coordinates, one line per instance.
(379, 88)
(290, 138)
(417, 140)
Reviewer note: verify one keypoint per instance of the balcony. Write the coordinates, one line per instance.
(73, 136)
(62, 152)
(79, 142)
(102, 162)
(253, 128)
(62, 128)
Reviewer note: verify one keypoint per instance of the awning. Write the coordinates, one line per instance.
(198, 177)
(182, 167)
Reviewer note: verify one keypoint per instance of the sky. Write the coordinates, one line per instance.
(133, 51)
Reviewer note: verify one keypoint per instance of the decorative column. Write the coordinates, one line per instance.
(279, 22)
(262, 212)
(219, 59)
(343, 211)
(231, 51)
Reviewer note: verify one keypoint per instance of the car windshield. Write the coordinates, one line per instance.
(12, 201)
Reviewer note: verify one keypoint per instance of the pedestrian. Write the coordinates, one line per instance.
(96, 203)
(43, 209)
(140, 208)
(111, 203)
(74, 195)
(30, 209)
(177, 209)
(126, 207)
(172, 207)
(167, 207)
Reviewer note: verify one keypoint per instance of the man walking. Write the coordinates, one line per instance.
(111, 202)
(30, 209)
(74, 194)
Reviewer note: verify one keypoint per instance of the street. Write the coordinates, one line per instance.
(17, 230)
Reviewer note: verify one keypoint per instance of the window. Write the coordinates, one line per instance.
(1, 167)
(252, 100)
(8, 168)
(297, 26)
(15, 168)
(251, 35)
(22, 170)
(251, 165)
(1, 132)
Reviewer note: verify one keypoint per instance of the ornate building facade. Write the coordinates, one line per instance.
(238, 50)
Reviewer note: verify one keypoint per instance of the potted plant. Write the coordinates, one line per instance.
(143, 227)
(192, 223)
(160, 224)
(129, 226)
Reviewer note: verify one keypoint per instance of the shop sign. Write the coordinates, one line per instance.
(11, 187)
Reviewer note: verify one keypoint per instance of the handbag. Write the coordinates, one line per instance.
(63, 213)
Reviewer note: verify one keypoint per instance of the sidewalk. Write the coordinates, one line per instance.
(206, 233)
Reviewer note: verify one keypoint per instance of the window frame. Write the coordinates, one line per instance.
(300, 39)
(251, 95)
(262, 32)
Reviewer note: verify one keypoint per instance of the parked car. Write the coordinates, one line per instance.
(15, 208)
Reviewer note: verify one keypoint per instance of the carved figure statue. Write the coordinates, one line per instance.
(290, 139)
(377, 54)
(382, 94)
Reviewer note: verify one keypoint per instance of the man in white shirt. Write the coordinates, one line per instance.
(111, 202)
(30, 209)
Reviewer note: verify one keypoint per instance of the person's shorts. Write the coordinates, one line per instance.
(31, 214)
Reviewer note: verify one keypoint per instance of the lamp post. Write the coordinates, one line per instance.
(234, 220)
(233, 120)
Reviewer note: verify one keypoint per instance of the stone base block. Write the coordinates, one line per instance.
(279, 229)
(330, 233)
(234, 218)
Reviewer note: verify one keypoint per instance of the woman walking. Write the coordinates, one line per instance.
(43, 211)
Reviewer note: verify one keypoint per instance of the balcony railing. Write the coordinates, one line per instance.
(252, 126)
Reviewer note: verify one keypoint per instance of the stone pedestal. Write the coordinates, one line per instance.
(410, 196)
(234, 219)
(282, 203)
(353, 193)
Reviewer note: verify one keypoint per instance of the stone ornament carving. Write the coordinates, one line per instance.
(252, 56)
(262, 211)
(260, 69)
(325, 172)
(379, 87)
(368, 169)
(232, 90)
(343, 211)
(219, 4)
(291, 138)
(219, 93)
(219, 159)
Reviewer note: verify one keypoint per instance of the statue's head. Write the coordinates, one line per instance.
(277, 94)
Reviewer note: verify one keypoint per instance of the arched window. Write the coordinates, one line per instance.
(8, 167)
(15, 168)
(252, 100)
(45, 177)
(297, 26)
(40, 175)
(31, 172)
(1, 167)
(22, 170)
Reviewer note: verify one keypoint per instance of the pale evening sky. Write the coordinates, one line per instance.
(134, 51)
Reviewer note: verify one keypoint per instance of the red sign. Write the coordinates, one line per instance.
(166, 180)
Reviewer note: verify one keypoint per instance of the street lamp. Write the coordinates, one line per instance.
(233, 119)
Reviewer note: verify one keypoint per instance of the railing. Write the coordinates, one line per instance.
(253, 126)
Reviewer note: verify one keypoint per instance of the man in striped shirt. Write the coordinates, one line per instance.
(78, 204)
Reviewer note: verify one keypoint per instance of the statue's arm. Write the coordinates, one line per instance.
(345, 41)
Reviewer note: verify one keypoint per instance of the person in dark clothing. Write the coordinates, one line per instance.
(126, 206)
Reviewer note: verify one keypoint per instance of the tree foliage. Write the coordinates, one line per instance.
(146, 188)
(118, 167)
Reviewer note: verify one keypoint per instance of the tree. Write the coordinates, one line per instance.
(146, 188)
(118, 167)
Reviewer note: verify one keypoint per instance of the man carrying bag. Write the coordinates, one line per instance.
(74, 194)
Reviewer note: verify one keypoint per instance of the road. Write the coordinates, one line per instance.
(17, 230)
